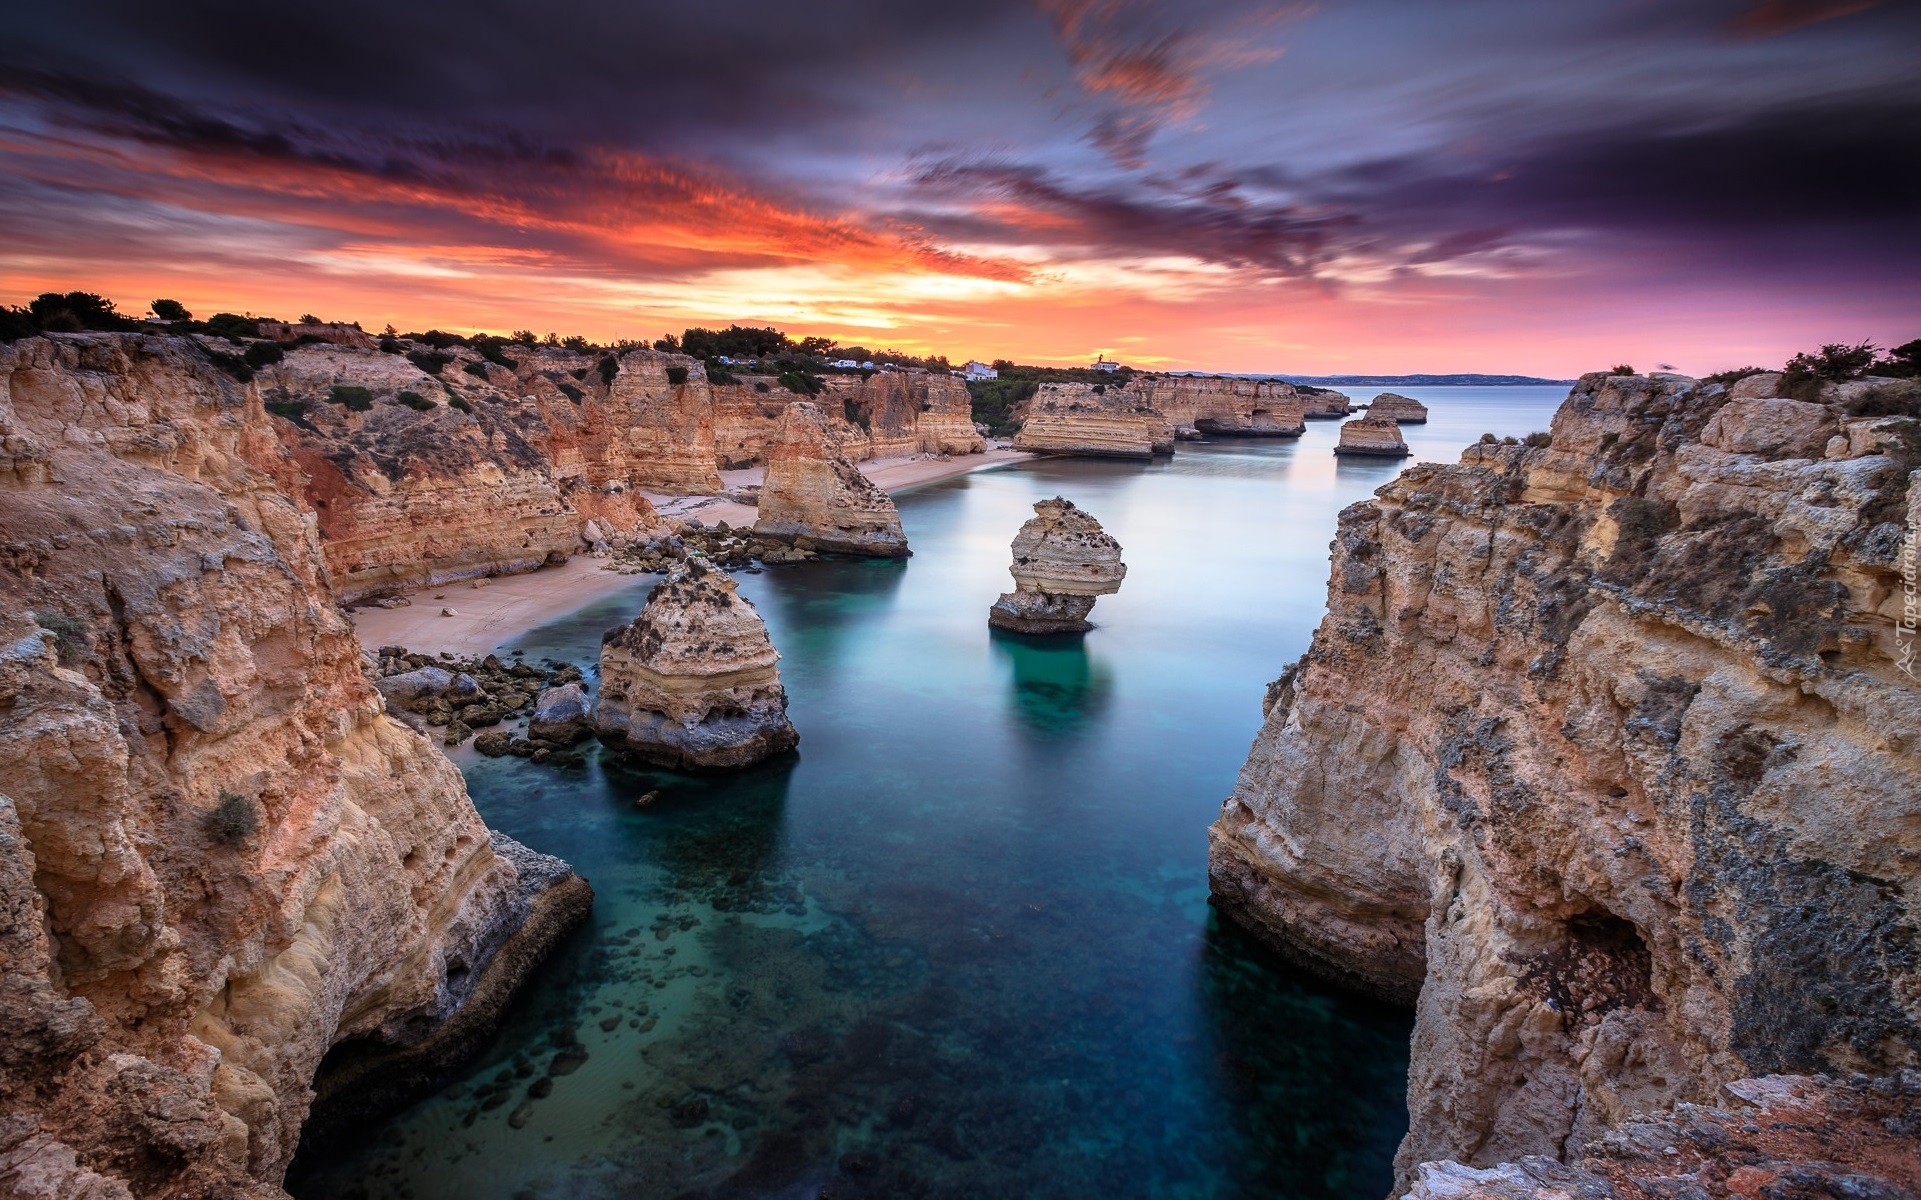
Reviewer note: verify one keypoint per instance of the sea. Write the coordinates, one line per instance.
(959, 944)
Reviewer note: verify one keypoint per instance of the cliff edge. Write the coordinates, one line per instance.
(1604, 756)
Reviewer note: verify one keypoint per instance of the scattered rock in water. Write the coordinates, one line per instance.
(1063, 561)
(541, 1088)
(561, 715)
(647, 799)
(688, 1113)
(692, 682)
(494, 743)
(522, 1114)
(570, 1059)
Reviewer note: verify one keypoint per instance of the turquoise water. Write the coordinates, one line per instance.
(959, 946)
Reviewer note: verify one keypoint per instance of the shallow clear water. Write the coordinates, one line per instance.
(960, 945)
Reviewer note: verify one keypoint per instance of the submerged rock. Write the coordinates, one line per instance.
(814, 497)
(1063, 561)
(692, 682)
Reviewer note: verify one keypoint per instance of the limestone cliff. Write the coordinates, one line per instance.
(219, 857)
(1372, 437)
(1604, 751)
(885, 414)
(814, 497)
(1224, 404)
(1063, 562)
(1075, 419)
(692, 682)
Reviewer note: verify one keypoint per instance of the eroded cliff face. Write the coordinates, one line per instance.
(1604, 751)
(486, 470)
(817, 499)
(886, 414)
(1074, 419)
(218, 856)
(1225, 405)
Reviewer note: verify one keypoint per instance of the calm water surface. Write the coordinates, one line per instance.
(960, 945)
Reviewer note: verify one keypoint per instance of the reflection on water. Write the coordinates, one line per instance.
(1057, 688)
(959, 946)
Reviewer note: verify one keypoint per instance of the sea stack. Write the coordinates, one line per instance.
(1372, 437)
(1063, 561)
(692, 683)
(818, 500)
(1402, 410)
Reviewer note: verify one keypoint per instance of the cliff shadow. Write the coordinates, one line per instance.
(1056, 690)
(1314, 1075)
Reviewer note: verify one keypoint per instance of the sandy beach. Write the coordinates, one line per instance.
(488, 617)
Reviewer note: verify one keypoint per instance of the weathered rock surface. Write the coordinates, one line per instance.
(1063, 561)
(219, 857)
(693, 681)
(561, 714)
(1074, 419)
(1324, 404)
(1372, 437)
(814, 497)
(1603, 749)
(1224, 405)
(1780, 1136)
(1402, 410)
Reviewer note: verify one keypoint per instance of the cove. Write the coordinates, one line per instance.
(960, 944)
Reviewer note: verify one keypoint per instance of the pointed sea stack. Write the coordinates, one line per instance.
(692, 682)
(1372, 437)
(1063, 560)
(818, 500)
(1402, 410)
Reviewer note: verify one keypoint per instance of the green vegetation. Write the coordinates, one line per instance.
(571, 392)
(170, 310)
(994, 401)
(489, 349)
(1623, 369)
(801, 383)
(232, 326)
(477, 369)
(608, 366)
(292, 410)
(416, 401)
(676, 375)
(262, 354)
(390, 345)
(459, 402)
(1488, 439)
(69, 636)
(855, 414)
(430, 361)
(1538, 440)
(1730, 378)
(716, 373)
(233, 820)
(232, 364)
(71, 312)
(355, 399)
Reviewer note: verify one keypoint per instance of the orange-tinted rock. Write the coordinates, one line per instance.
(219, 857)
(1372, 437)
(1224, 405)
(814, 497)
(1074, 419)
(888, 413)
(1402, 410)
(692, 682)
(1063, 561)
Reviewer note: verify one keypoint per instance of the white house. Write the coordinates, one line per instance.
(1103, 363)
(976, 369)
(844, 363)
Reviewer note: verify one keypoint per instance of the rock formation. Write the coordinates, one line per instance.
(219, 857)
(1604, 751)
(1372, 437)
(1324, 404)
(1224, 405)
(1063, 561)
(1779, 1136)
(1075, 419)
(815, 498)
(1402, 410)
(692, 682)
(884, 414)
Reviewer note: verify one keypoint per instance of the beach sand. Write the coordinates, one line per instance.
(489, 617)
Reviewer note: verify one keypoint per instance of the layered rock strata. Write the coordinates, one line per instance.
(219, 856)
(887, 413)
(1224, 405)
(1063, 561)
(814, 497)
(1074, 419)
(693, 681)
(1604, 752)
(1324, 404)
(1372, 437)
(1774, 1137)
(1402, 410)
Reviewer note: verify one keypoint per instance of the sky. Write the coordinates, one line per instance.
(1342, 186)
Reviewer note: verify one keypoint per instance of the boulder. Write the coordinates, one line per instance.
(1063, 561)
(561, 714)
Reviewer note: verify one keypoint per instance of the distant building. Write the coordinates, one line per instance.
(978, 370)
(847, 363)
(867, 366)
(1103, 363)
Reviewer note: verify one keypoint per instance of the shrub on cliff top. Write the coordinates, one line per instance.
(233, 820)
(430, 361)
(1623, 369)
(261, 354)
(16, 324)
(476, 368)
(608, 366)
(719, 374)
(170, 310)
(1806, 374)
(1538, 439)
(70, 312)
(233, 326)
(355, 399)
(676, 375)
(801, 383)
(1730, 378)
(489, 349)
